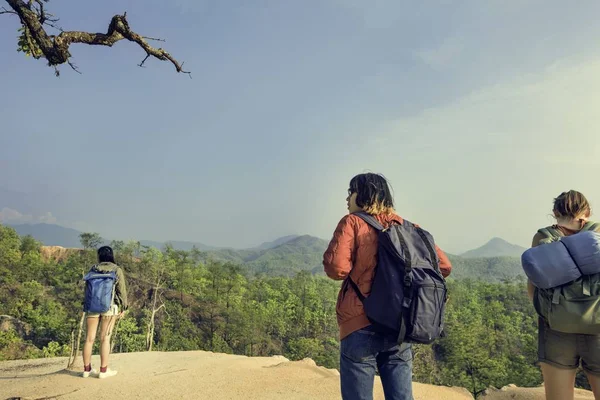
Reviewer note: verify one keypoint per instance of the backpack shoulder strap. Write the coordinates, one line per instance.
(361, 296)
(369, 219)
(551, 233)
(591, 226)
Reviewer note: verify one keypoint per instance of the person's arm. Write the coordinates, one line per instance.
(444, 264)
(337, 259)
(534, 242)
(530, 289)
(122, 289)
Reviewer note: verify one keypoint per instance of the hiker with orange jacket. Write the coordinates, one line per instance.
(353, 250)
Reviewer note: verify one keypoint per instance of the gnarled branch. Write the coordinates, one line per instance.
(55, 48)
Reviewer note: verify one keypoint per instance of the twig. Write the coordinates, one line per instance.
(41, 13)
(74, 67)
(151, 38)
(143, 61)
(3, 10)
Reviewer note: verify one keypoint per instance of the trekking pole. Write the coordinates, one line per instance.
(72, 342)
(76, 344)
(114, 337)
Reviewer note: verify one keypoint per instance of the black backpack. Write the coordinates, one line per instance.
(408, 295)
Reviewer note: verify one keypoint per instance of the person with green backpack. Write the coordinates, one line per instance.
(569, 342)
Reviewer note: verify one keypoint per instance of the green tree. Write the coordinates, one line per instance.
(10, 247)
(117, 245)
(90, 240)
(154, 267)
(30, 245)
(129, 336)
(13, 347)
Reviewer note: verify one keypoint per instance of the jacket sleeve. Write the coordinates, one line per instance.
(121, 290)
(445, 265)
(337, 259)
(530, 286)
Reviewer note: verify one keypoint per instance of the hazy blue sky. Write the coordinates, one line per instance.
(479, 113)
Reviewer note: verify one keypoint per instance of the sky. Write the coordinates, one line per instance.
(478, 113)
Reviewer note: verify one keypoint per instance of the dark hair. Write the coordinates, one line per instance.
(105, 254)
(372, 193)
(571, 204)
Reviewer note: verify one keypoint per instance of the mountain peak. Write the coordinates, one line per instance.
(495, 247)
(498, 240)
(276, 242)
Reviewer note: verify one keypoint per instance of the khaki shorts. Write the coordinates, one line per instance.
(112, 312)
(567, 350)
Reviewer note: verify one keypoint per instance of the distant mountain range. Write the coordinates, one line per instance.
(56, 235)
(495, 261)
(496, 247)
(283, 256)
(276, 242)
(288, 256)
(49, 234)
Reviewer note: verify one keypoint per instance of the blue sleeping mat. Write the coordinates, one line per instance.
(584, 248)
(554, 264)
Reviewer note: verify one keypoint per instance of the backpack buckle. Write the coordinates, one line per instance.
(556, 296)
(407, 280)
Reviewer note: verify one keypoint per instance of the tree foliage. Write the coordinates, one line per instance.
(90, 240)
(185, 301)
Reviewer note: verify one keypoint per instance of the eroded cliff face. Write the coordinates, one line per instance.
(57, 253)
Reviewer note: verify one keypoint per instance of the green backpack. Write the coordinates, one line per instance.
(575, 306)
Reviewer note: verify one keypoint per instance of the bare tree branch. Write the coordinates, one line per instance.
(56, 48)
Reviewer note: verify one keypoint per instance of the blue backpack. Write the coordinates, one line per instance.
(408, 295)
(99, 291)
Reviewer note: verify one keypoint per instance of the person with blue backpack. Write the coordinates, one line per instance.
(105, 301)
(393, 291)
(563, 270)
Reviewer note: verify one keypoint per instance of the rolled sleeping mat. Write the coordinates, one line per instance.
(549, 265)
(585, 251)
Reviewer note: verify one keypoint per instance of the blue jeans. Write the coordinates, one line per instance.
(365, 351)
